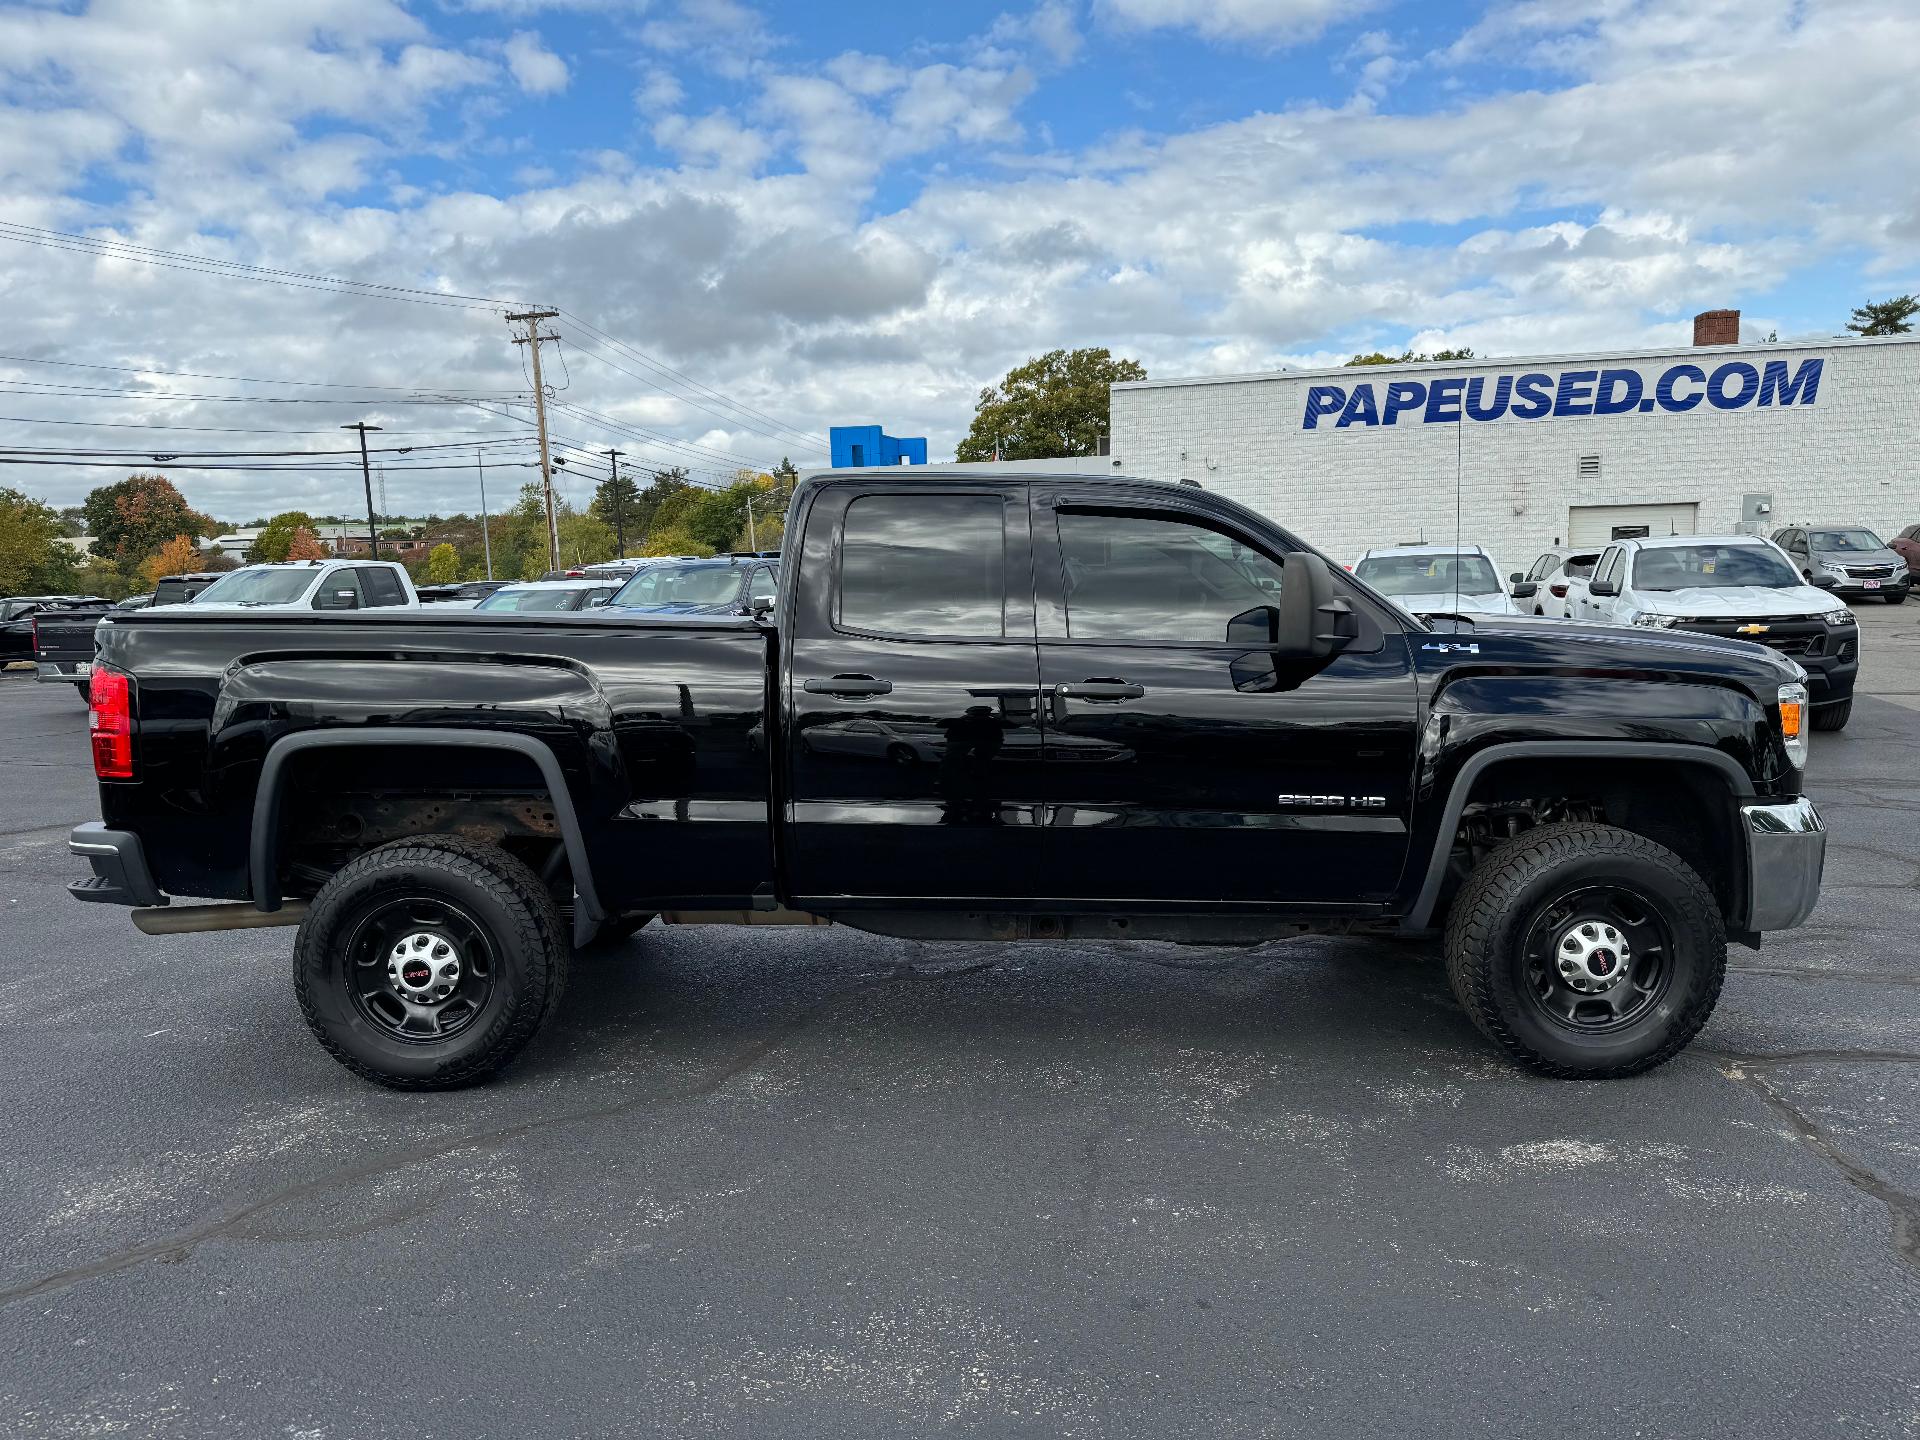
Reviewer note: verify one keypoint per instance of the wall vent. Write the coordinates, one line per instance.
(1587, 467)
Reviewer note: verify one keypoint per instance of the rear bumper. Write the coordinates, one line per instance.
(120, 874)
(1786, 853)
(67, 672)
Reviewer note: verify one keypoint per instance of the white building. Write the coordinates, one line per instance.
(1550, 449)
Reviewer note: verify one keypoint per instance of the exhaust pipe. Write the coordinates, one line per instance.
(195, 919)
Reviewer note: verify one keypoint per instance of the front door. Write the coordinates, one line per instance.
(1187, 764)
(913, 741)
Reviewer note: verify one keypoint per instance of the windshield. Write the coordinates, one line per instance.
(680, 585)
(1853, 542)
(1710, 567)
(531, 602)
(256, 587)
(1399, 575)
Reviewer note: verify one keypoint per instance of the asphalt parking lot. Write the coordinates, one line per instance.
(812, 1183)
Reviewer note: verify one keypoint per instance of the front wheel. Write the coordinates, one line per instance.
(1832, 717)
(1895, 597)
(1586, 951)
(430, 962)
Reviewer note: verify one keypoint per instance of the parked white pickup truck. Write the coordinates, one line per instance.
(312, 585)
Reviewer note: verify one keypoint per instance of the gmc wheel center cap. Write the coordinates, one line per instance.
(424, 967)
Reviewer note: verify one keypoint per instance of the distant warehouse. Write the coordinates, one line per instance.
(1574, 449)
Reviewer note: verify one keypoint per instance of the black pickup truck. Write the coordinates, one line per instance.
(981, 708)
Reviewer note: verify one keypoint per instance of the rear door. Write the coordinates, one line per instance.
(1187, 768)
(379, 587)
(913, 733)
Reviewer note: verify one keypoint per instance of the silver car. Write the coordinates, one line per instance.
(1863, 566)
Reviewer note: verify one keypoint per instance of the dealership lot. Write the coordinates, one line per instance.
(818, 1183)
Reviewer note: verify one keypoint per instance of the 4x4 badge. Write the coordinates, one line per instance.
(1445, 647)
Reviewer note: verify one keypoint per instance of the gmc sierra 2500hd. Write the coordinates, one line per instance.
(1003, 707)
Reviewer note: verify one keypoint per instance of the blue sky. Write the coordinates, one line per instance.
(816, 214)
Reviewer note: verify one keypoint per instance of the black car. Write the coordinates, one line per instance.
(16, 620)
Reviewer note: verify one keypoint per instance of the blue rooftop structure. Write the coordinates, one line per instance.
(853, 446)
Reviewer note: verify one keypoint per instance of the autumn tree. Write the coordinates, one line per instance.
(133, 518)
(1053, 406)
(1885, 317)
(277, 535)
(32, 560)
(179, 556)
(443, 564)
(303, 544)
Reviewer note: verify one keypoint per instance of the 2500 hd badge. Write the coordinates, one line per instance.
(1334, 802)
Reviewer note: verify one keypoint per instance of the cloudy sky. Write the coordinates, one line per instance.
(761, 221)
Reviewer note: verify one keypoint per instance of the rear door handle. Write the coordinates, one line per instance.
(850, 686)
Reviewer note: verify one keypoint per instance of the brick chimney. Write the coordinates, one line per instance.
(1716, 327)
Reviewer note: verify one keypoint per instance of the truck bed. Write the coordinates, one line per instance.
(64, 642)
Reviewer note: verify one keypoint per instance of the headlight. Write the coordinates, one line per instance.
(1833, 569)
(1793, 723)
(1838, 617)
(1657, 622)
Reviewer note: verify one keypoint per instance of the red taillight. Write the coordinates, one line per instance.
(1559, 591)
(36, 636)
(112, 725)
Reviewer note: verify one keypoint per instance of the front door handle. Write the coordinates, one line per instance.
(850, 686)
(1103, 689)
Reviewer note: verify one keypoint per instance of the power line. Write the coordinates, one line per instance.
(238, 379)
(779, 432)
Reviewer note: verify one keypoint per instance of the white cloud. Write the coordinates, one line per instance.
(1274, 21)
(535, 69)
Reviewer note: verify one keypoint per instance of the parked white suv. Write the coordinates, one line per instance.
(1560, 573)
(311, 585)
(1738, 586)
(1438, 579)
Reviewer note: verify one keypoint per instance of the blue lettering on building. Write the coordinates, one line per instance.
(1735, 385)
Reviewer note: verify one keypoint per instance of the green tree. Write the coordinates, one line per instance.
(616, 504)
(32, 561)
(1885, 317)
(278, 535)
(667, 485)
(132, 518)
(1054, 406)
(1408, 357)
(443, 564)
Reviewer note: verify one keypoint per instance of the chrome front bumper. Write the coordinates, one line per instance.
(1786, 851)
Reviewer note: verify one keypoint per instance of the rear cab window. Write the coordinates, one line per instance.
(932, 565)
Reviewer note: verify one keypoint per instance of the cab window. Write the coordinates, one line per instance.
(924, 565)
(1134, 577)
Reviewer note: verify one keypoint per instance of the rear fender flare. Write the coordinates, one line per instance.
(263, 846)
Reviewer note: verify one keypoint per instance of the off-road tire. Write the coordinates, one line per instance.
(1832, 717)
(1488, 924)
(508, 901)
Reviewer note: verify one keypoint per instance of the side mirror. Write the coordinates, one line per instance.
(760, 606)
(598, 600)
(1825, 581)
(1516, 577)
(1603, 588)
(1313, 622)
(1525, 589)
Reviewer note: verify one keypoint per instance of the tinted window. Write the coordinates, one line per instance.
(381, 587)
(1610, 567)
(1710, 567)
(1581, 566)
(1399, 575)
(544, 600)
(327, 597)
(924, 565)
(257, 587)
(1132, 578)
(1855, 542)
(684, 584)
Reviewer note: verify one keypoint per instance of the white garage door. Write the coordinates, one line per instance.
(1591, 526)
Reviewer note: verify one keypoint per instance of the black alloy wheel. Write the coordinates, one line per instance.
(423, 967)
(1586, 951)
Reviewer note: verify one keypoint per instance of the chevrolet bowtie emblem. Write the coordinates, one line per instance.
(1752, 629)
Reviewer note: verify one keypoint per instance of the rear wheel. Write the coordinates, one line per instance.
(1832, 717)
(1586, 952)
(430, 962)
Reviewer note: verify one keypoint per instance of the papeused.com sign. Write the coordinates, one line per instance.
(1536, 395)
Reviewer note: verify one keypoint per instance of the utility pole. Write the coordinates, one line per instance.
(533, 339)
(486, 540)
(619, 511)
(366, 476)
